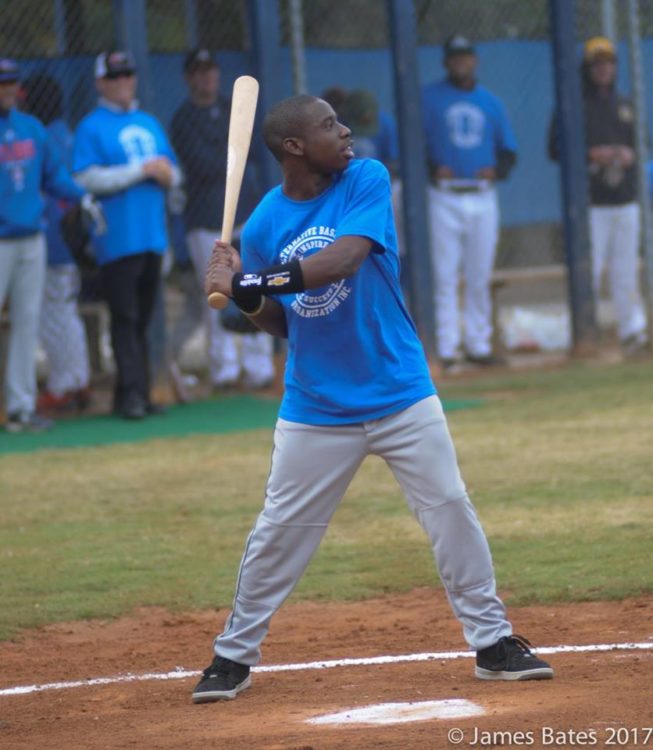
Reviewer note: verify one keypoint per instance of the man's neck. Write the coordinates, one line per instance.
(204, 102)
(305, 187)
(116, 107)
(466, 84)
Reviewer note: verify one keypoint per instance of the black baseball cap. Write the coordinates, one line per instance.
(114, 64)
(9, 70)
(199, 58)
(458, 45)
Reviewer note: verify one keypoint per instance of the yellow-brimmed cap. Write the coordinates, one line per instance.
(599, 47)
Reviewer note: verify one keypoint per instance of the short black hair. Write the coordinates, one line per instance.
(286, 119)
(43, 97)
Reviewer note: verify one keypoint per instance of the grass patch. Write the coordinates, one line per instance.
(557, 463)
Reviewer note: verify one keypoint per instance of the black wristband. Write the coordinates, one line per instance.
(247, 288)
(251, 304)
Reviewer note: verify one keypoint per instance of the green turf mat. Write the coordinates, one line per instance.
(229, 414)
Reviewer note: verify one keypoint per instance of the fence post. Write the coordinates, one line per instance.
(263, 18)
(573, 166)
(131, 34)
(295, 9)
(413, 166)
(641, 147)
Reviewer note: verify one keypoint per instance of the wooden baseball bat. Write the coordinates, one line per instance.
(241, 124)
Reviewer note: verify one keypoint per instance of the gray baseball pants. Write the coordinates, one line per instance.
(312, 467)
(22, 277)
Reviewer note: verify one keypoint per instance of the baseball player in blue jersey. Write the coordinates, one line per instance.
(123, 155)
(30, 166)
(320, 253)
(470, 146)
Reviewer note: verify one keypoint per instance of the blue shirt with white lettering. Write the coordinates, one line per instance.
(464, 129)
(30, 165)
(136, 217)
(353, 351)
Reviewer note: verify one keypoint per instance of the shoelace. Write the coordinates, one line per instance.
(521, 643)
(219, 667)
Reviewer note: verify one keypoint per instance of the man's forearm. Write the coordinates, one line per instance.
(107, 180)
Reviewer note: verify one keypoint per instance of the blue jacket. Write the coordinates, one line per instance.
(29, 165)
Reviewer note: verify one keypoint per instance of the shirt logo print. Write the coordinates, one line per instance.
(315, 303)
(466, 123)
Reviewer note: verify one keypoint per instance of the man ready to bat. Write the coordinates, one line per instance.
(320, 253)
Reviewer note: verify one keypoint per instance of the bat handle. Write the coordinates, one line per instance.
(218, 301)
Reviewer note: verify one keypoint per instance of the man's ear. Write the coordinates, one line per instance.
(294, 146)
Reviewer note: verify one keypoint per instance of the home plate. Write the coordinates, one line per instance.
(397, 713)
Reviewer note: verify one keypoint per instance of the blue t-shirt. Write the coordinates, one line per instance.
(55, 208)
(30, 165)
(136, 217)
(464, 129)
(353, 351)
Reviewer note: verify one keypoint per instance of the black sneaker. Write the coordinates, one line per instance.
(485, 360)
(27, 422)
(511, 659)
(223, 680)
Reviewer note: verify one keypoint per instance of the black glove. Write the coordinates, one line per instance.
(76, 235)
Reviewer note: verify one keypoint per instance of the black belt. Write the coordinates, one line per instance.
(461, 189)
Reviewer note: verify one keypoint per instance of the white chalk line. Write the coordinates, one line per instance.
(180, 674)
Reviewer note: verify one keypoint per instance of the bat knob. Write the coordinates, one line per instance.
(218, 301)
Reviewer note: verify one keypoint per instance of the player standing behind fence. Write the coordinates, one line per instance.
(29, 167)
(199, 133)
(614, 215)
(470, 146)
(63, 334)
(123, 155)
(321, 256)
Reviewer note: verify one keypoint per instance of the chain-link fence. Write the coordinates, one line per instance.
(337, 46)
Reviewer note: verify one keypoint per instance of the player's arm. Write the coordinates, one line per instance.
(340, 259)
(251, 291)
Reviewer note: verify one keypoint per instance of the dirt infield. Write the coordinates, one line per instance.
(608, 696)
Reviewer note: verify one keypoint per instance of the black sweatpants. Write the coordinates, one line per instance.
(130, 287)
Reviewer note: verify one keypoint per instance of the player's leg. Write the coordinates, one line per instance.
(418, 448)
(478, 262)
(601, 220)
(26, 294)
(311, 469)
(257, 357)
(623, 270)
(63, 335)
(446, 230)
(222, 348)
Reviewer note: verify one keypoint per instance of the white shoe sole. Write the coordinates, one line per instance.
(212, 696)
(543, 673)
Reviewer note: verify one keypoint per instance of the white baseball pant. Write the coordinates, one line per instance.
(63, 334)
(614, 238)
(464, 232)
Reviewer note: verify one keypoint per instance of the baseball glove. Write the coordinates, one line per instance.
(235, 321)
(76, 235)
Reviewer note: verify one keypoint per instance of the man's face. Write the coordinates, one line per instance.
(603, 71)
(462, 66)
(8, 94)
(326, 143)
(204, 83)
(119, 90)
